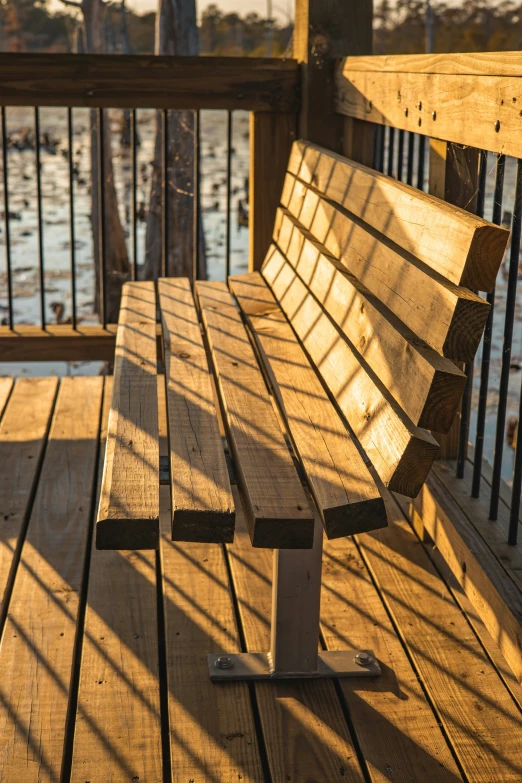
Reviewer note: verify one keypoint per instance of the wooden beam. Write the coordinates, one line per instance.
(57, 343)
(438, 105)
(449, 318)
(271, 138)
(149, 81)
(128, 515)
(462, 247)
(456, 63)
(401, 453)
(427, 386)
(344, 491)
(276, 507)
(202, 505)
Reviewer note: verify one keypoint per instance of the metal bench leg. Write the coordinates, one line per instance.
(296, 598)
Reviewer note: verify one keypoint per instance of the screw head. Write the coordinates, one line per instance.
(363, 659)
(224, 662)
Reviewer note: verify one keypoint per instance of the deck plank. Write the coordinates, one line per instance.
(304, 729)
(201, 498)
(23, 432)
(475, 708)
(39, 636)
(6, 385)
(118, 725)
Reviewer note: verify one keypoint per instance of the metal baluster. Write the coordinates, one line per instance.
(486, 345)
(39, 215)
(165, 194)
(72, 232)
(422, 160)
(382, 131)
(411, 149)
(101, 219)
(506, 347)
(134, 223)
(400, 158)
(196, 204)
(229, 188)
(10, 314)
(462, 452)
(391, 144)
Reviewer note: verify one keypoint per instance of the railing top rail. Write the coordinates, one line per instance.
(149, 81)
(466, 63)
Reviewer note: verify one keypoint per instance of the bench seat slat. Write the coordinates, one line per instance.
(276, 507)
(401, 453)
(202, 503)
(427, 386)
(344, 491)
(128, 514)
(462, 247)
(449, 318)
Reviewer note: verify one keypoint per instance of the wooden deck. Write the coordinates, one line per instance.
(103, 654)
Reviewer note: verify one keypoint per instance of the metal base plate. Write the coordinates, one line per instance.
(257, 666)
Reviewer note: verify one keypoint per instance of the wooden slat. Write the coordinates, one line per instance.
(57, 343)
(38, 643)
(427, 386)
(401, 453)
(470, 63)
(344, 491)
(6, 385)
(271, 138)
(23, 432)
(304, 730)
(463, 248)
(149, 81)
(438, 105)
(202, 505)
(397, 730)
(118, 729)
(478, 714)
(449, 318)
(278, 513)
(491, 591)
(128, 515)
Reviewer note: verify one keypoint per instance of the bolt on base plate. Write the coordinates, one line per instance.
(224, 667)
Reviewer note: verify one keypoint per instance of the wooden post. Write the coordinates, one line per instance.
(453, 177)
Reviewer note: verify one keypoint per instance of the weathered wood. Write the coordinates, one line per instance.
(438, 105)
(148, 81)
(490, 590)
(427, 386)
(304, 730)
(36, 657)
(474, 707)
(463, 248)
(277, 510)
(344, 491)
(118, 733)
(449, 318)
(128, 515)
(202, 505)
(23, 433)
(271, 138)
(57, 343)
(401, 453)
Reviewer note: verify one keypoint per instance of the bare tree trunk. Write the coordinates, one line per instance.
(116, 257)
(176, 34)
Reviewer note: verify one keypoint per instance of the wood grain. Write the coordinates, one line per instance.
(202, 505)
(449, 318)
(23, 434)
(427, 386)
(148, 81)
(278, 512)
(6, 386)
(401, 453)
(344, 491)
(128, 515)
(117, 731)
(447, 102)
(470, 63)
(38, 643)
(463, 248)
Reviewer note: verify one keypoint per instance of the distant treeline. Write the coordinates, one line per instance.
(27, 25)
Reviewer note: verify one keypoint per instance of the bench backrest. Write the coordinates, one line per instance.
(375, 278)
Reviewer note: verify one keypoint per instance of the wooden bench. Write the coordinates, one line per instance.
(329, 367)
